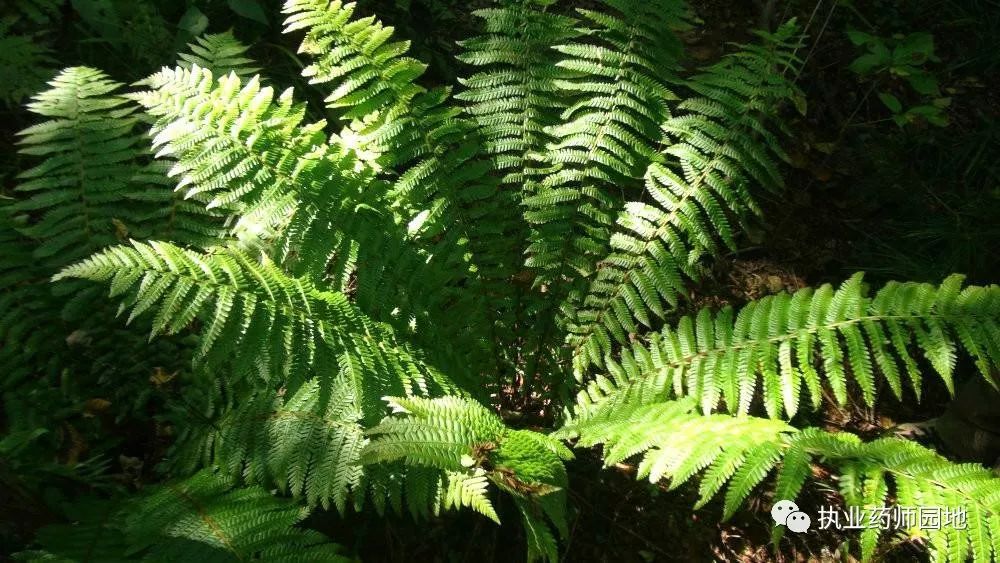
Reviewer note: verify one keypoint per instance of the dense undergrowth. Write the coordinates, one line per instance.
(316, 281)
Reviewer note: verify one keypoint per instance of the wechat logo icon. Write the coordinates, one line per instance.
(787, 513)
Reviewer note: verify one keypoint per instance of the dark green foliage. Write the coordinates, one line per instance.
(199, 518)
(26, 65)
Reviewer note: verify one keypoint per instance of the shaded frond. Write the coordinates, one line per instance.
(220, 53)
(203, 518)
(307, 445)
(26, 61)
(24, 299)
(198, 519)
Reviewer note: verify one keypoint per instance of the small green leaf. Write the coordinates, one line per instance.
(915, 48)
(250, 9)
(891, 102)
(923, 82)
(866, 63)
(193, 21)
(801, 105)
(860, 38)
(931, 114)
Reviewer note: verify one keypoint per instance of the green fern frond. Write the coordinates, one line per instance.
(91, 188)
(370, 72)
(469, 489)
(199, 518)
(95, 534)
(512, 96)
(394, 123)
(222, 155)
(284, 327)
(470, 443)
(220, 53)
(308, 445)
(89, 147)
(620, 71)
(24, 299)
(373, 82)
(26, 61)
(420, 145)
(781, 345)
(257, 324)
(258, 161)
(94, 187)
(720, 144)
(738, 453)
(328, 219)
(434, 432)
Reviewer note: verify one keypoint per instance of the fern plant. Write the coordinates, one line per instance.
(347, 302)
(200, 517)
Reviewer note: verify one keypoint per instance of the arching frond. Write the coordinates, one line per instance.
(89, 145)
(329, 217)
(721, 143)
(738, 453)
(429, 156)
(283, 326)
(371, 81)
(199, 518)
(620, 71)
(780, 345)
